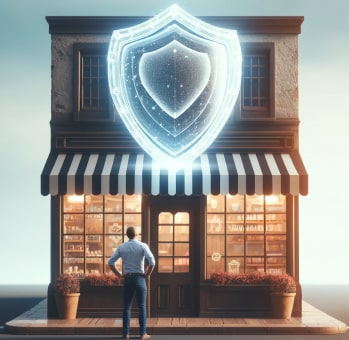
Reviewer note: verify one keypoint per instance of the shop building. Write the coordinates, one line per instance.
(235, 209)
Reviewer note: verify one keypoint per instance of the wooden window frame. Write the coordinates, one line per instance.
(80, 113)
(246, 113)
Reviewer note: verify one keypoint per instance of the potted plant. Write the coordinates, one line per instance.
(283, 291)
(67, 292)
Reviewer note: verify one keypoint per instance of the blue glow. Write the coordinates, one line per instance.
(174, 81)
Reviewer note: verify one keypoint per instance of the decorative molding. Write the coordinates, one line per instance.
(243, 24)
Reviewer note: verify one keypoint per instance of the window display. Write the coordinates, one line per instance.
(93, 226)
(246, 234)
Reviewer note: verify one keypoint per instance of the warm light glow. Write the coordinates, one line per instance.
(76, 198)
(272, 199)
(174, 81)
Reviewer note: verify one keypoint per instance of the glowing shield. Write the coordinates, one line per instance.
(174, 81)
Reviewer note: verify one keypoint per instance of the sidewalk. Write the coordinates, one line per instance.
(313, 321)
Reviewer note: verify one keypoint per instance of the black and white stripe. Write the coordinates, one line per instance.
(236, 173)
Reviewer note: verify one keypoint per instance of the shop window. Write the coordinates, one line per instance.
(173, 242)
(91, 83)
(246, 234)
(257, 94)
(92, 228)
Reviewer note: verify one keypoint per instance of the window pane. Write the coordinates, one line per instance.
(113, 224)
(215, 245)
(93, 84)
(215, 203)
(254, 264)
(111, 243)
(94, 223)
(166, 217)
(165, 249)
(255, 81)
(235, 245)
(181, 233)
(216, 264)
(254, 245)
(215, 223)
(181, 218)
(165, 233)
(235, 265)
(165, 264)
(276, 245)
(181, 249)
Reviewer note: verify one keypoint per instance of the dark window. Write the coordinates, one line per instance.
(257, 94)
(91, 82)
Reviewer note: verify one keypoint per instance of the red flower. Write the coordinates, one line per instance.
(67, 284)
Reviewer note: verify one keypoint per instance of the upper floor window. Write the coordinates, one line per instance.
(257, 94)
(92, 99)
(91, 82)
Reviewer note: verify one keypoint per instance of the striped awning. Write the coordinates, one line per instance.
(216, 173)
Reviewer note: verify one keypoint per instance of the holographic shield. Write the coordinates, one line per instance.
(174, 81)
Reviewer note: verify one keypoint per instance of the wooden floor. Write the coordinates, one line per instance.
(313, 321)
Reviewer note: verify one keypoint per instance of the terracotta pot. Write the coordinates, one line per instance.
(282, 305)
(67, 305)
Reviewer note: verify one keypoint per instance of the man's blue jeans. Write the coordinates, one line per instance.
(135, 283)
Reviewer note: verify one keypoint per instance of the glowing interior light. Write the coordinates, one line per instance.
(75, 198)
(174, 81)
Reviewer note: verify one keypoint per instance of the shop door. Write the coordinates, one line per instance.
(174, 242)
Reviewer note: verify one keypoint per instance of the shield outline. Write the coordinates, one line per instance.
(176, 17)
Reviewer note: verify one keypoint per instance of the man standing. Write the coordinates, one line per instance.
(135, 275)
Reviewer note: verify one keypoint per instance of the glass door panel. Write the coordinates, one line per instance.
(173, 242)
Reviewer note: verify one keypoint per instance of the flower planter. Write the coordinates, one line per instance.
(67, 305)
(102, 301)
(235, 301)
(282, 305)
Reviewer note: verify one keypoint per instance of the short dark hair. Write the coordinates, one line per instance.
(131, 232)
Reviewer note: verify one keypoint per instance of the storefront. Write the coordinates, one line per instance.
(234, 208)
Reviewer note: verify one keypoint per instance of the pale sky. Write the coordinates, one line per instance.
(25, 132)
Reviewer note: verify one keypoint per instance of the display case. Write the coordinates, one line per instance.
(246, 234)
(93, 227)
